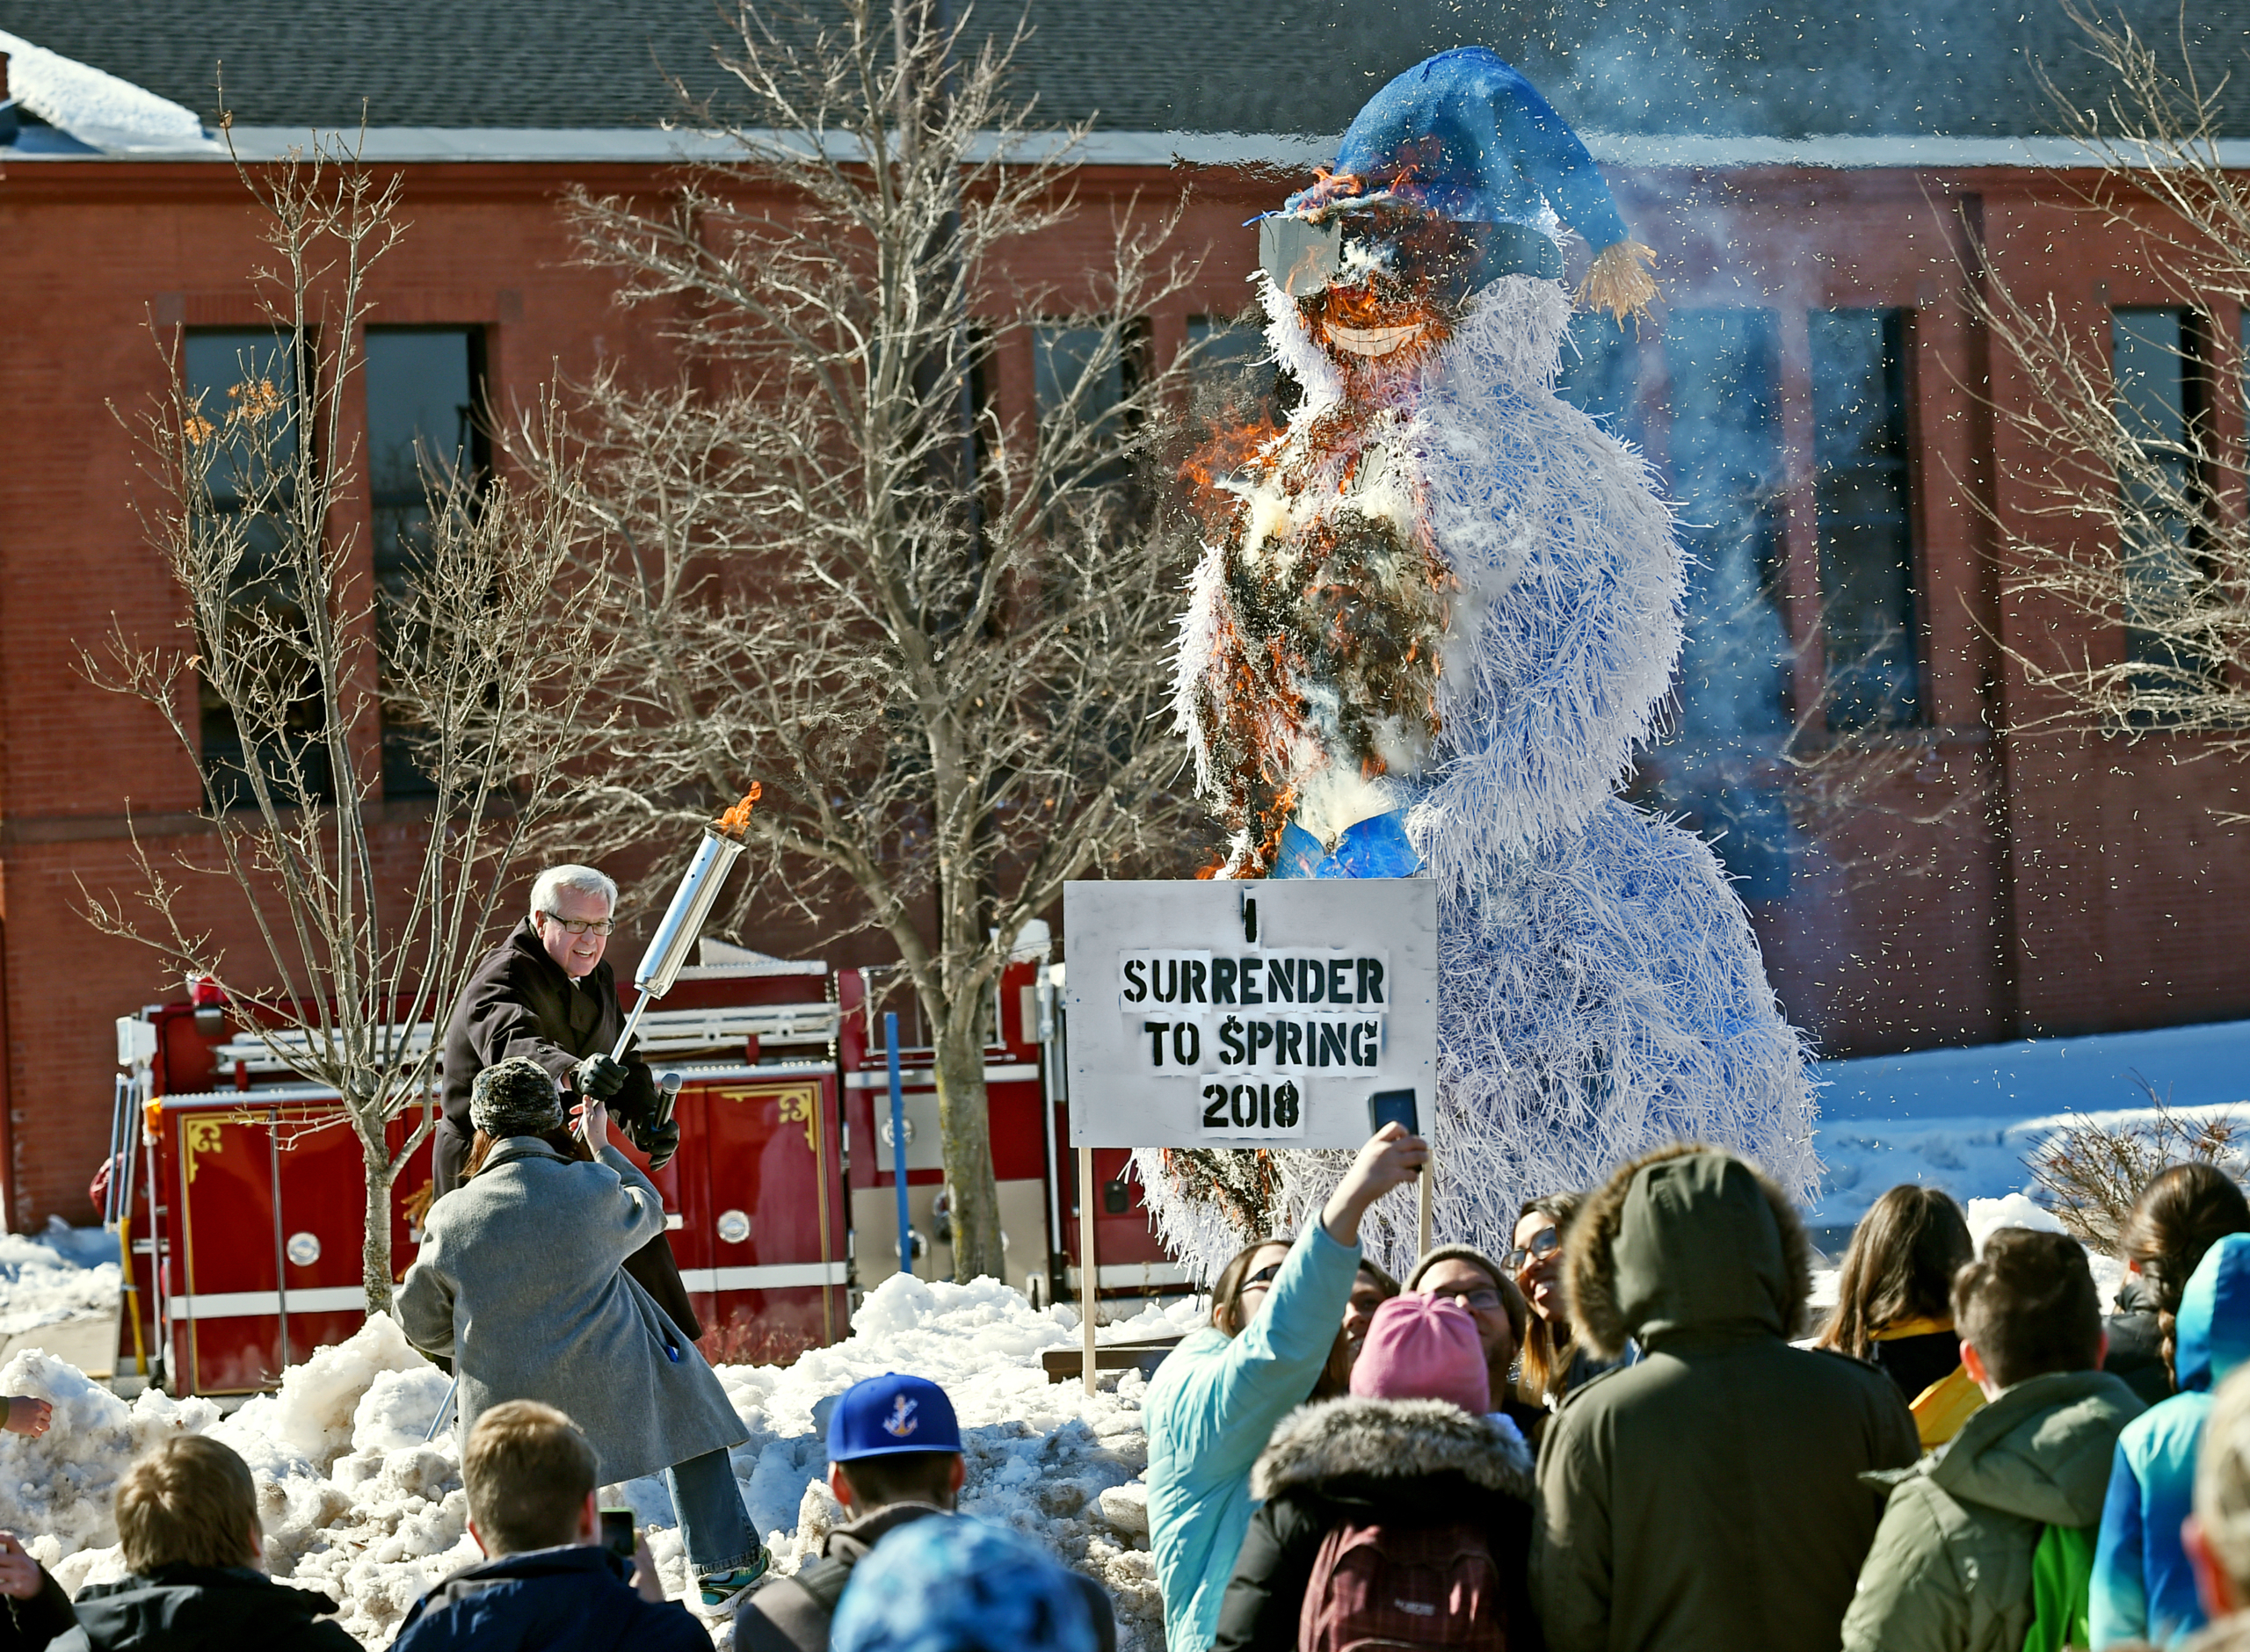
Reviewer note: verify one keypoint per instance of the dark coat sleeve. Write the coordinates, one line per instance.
(1265, 1597)
(782, 1617)
(503, 1020)
(27, 1625)
(322, 1634)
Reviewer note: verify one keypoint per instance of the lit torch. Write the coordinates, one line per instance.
(691, 904)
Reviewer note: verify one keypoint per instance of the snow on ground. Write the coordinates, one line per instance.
(1965, 1120)
(63, 1273)
(357, 1506)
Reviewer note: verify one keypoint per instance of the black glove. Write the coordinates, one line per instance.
(659, 1141)
(597, 1077)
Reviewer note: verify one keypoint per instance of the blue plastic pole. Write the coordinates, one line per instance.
(898, 1140)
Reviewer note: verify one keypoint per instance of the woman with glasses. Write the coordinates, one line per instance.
(1471, 1280)
(1553, 1362)
(1213, 1403)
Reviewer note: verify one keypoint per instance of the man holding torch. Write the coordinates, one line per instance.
(546, 993)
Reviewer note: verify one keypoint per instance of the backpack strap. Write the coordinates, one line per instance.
(823, 1580)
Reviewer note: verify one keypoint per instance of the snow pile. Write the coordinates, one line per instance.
(357, 1506)
(1050, 1459)
(60, 1275)
(2010, 1210)
(97, 107)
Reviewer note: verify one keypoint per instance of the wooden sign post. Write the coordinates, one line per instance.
(1089, 1266)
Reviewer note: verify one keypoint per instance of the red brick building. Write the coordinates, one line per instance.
(1811, 391)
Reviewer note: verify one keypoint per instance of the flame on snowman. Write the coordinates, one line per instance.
(1322, 599)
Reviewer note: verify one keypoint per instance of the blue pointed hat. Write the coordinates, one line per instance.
(1465, 137)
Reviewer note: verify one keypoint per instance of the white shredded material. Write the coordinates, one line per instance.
(1600, 992)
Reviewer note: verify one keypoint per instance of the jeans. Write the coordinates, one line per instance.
(713, 1523)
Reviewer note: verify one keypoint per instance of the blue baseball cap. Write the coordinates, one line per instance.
(891, 1413)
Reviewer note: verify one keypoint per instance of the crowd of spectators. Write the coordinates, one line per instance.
(1623, 1432)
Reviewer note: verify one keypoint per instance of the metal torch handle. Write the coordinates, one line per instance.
(632, 1026)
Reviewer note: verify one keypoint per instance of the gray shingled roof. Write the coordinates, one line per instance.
(1753, 68)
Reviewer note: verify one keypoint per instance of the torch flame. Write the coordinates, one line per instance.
(736, 821)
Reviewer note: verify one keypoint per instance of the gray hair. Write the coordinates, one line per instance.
(584, 879)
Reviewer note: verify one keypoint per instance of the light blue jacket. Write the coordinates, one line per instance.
(1211, 1410)
(2142, 1590)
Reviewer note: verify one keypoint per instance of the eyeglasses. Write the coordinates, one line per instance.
(1544, 1243)
(1485, 1300)
(581, 925)
(1259, 1280)
(1304, 258)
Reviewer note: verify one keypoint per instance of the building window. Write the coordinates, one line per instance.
(2159, 396)
(1725, 443)
(1064, 354)
(426, 386)
(1865, 524)
(1237, 379)
(245, 387)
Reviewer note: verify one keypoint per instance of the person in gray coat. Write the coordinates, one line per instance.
(521, 1281)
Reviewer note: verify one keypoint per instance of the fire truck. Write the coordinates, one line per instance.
(240, 1185)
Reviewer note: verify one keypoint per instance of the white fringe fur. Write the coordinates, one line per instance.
(1600, 992)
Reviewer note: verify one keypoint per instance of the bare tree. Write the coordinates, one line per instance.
(282, 630)
(2136, 528)
(937, 627)
(2093, 1173)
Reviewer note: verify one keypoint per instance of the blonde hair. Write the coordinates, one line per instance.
(2223, 1477)
(527, 1470)
(189, 1503)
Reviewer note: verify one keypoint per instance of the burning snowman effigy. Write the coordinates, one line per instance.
(1435, 615)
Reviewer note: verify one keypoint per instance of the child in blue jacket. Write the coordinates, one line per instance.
(2143, 1588)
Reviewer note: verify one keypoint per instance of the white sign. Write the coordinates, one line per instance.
(1229, 1014)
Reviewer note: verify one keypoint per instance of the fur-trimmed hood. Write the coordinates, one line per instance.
(1686, 1237)
(1390, 1440)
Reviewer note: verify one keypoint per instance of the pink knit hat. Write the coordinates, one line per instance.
(1422, 1348)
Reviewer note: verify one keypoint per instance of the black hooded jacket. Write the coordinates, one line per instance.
(1405, 1462)
(202, 1609)
(568, 1599)
(1708, 1498)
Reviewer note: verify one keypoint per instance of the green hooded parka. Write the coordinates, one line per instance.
(1972, 1514)
(1708, 1496)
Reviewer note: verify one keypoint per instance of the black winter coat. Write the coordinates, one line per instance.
(2136, 1332)
(30, 1625)
(521, 1003)
(793, 1614)
(1402, 1461)
(202, 1609)
(572, 1599)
